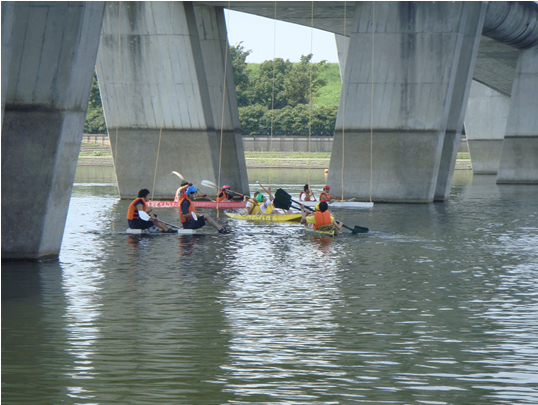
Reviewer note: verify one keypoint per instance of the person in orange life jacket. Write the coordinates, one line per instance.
(326, 196)
(225, 195)
(186, 211)
(181, 190)
(322, 216)
(140, 204)
(252, 204)
(307, 194)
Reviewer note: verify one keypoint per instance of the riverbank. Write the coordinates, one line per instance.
(99, 154)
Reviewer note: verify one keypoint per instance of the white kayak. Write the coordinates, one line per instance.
(147, 232)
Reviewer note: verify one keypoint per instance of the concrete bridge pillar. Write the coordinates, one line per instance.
(519, 158)
(53, 51)
(485, 125)
(405, 138)
(161, 69)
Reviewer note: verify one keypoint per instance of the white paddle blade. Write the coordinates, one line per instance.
(208, 183)
(178, 175)
(144, 216)
(194, 216)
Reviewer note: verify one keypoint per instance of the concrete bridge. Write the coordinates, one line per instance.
(169, 99)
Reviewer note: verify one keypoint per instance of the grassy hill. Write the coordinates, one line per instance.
(329, 95)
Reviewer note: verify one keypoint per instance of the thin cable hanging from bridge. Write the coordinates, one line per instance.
(164, 99)
(310, 104)
(372, 107)
(115, 154)
(344, 101)
(224, 95)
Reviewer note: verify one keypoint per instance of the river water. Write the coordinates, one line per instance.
(438, 304)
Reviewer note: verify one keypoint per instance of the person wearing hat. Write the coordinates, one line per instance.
(322, 216)
(226, 195)
(326, 196)
(187, 213)
(265, 205)
(140, 204)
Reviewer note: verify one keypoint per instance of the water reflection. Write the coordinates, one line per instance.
(438, 304)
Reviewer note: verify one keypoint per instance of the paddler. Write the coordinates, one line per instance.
(322, 216)
(307, 194)
(187, 213)
(226, 195)
(140, 204)
(252, 205)
(326, 196)
(181, 190)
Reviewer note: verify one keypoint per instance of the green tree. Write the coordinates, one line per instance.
(269, 80)
(302, 80)
(238, 55)
(95, 119)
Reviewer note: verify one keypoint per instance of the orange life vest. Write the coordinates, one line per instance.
(132, 213)
(307, 198)
(324, 197)
(223, 196)
(322, 218)
(191, 208)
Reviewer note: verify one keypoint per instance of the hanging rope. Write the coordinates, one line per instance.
(344, 102)
(224, 94)
(273, 92)
(372, 108)
(164, 99)
(115, 154)
(310, 98)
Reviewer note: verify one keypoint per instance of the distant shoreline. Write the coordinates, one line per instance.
(100, 156)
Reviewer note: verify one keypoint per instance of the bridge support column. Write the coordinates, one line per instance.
(485, 125)
(164, 109)
(53, 51)
(405, 138)
(519, 159)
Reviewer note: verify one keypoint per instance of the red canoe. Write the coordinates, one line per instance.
(200, 204)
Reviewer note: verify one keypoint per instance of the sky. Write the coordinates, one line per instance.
(289, 42)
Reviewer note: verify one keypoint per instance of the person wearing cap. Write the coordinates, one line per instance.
(226, 195)
(187, 213)
(322, 216)
(265, 205)
(326, 196)
(307, 194)
(140, 204)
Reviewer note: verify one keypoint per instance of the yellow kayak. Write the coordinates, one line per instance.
(309, 231)
(268, 218)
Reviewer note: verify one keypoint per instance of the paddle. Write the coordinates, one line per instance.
(144, 216)
(284, 200)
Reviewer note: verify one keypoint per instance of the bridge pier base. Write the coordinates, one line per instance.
(485, 125)
(53, 51)
(519, 159)
(399, 121)
(166, 107)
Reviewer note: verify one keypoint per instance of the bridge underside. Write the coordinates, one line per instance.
(169, 99)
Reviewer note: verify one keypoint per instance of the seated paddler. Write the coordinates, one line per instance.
(187, 213)
(140, 204)
(226, 195)
(320, 217)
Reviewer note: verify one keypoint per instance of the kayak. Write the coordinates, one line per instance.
(342, 204)
(201, 204)
(268, 218)
(147, 232)
(313, 232)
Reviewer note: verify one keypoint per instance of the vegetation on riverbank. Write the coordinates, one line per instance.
(278, 98)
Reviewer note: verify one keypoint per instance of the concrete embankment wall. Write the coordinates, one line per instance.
(277, 143)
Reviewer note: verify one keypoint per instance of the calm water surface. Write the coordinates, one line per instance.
(437, 305)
